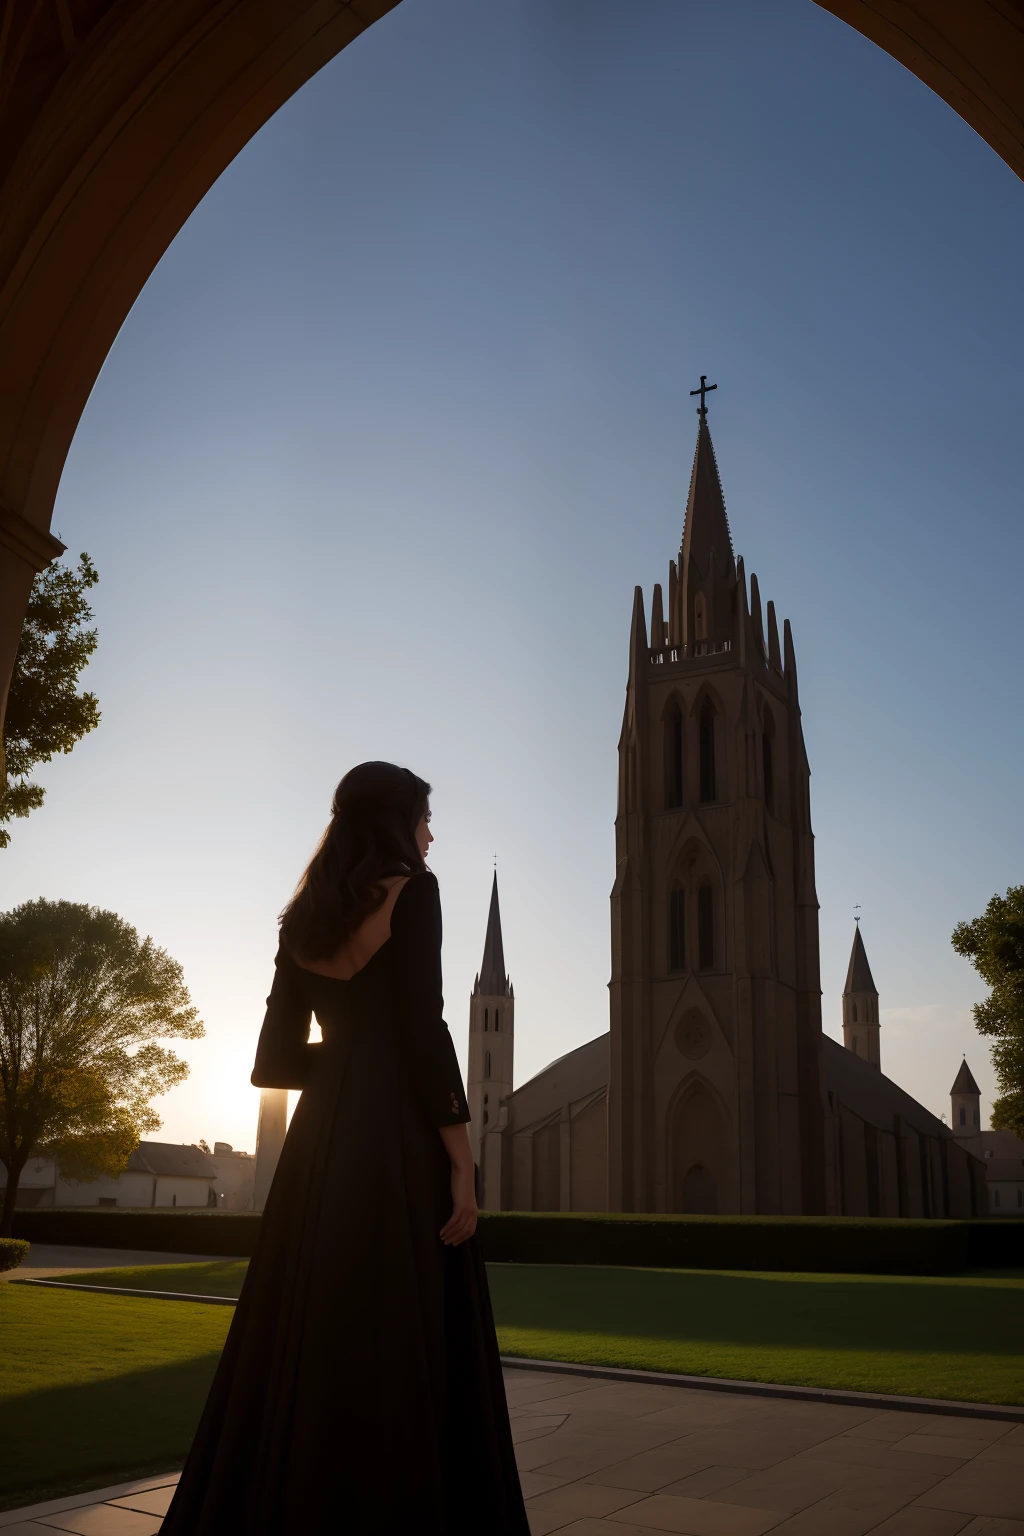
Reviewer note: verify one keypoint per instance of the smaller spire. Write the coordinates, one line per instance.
(858, 977)
(965, 1080)
(493, 981)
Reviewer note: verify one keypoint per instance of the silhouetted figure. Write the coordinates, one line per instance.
(360, 1387)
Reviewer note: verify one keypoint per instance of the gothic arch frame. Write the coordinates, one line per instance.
(674, 701)
(706, 694)
(703, 867)
(117, 120)
(689, 1086)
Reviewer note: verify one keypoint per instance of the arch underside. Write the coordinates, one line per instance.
(117, 116)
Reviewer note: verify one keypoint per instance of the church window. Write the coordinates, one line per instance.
(497, 1018)
(486, 1013)
(963, 1115)
(853, 1046)
(705, 927)
(707, 752)
(677, 931)
(485, 1098)
(700, 618)
(854, 1007)
(768, 759)
(487, 1063)
(673, 758)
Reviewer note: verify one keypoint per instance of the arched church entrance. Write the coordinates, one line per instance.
(700, 1191)
(698, 1152)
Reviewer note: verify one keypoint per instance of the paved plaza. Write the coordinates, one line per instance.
(612, 1458)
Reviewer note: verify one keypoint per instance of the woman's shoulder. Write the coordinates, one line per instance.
(419, 894)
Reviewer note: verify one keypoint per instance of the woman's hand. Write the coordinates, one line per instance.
(462, 1221)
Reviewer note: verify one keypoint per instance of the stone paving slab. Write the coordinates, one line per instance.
(617, 1458)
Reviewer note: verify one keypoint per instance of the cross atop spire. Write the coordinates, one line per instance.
(705, 388)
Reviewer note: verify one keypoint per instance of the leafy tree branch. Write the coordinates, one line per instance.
(994, 943)
(45, 712)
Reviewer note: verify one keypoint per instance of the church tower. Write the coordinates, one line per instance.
(716, 1097)
(491, 1039)
(965, 1101)
(860, 1006)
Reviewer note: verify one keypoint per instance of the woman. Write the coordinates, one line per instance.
(360, 1387)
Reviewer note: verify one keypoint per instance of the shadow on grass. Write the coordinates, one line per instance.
(954, 1316)
(66, 1439)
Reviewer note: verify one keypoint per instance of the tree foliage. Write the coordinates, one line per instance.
(994, 943)
(45, 712)
(84, 1003)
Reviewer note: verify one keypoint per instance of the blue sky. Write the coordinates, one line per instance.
(402, 417)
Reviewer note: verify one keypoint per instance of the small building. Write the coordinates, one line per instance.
(1001, 1152)
(159, 1174)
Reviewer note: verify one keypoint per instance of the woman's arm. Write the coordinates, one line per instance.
(284, 1055)
(426, 1043)
(462, 1221)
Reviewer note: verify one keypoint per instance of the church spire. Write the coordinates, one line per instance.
(860, 1006)
(493, 981)
(706, 526)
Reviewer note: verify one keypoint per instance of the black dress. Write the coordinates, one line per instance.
(360, 1387)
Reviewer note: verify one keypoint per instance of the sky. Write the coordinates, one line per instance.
(402, 417)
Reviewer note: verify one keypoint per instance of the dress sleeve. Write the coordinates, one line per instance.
(283, 1054)
(422, 1032)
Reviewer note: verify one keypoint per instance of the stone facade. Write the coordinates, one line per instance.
(715, 1089)
(1001, 1152)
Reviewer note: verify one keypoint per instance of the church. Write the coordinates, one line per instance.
(714, 1090)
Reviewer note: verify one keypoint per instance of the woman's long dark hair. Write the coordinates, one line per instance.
(371, 834)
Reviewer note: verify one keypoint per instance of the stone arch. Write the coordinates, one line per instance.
(709, 763)
(769, 757)
(673, 739)
(694, 871)
(698, 1158)
(118, 118)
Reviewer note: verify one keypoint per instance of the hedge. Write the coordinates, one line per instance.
(843, 1245)
(12, 1251)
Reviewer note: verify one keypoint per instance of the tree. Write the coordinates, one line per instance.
(83, 1004)
(994, 943)
(45, 713)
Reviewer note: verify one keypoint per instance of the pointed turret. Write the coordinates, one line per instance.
(860, 1006)
(491, 1046)
(858, 973)
(965, 1098)
(707, 566)
(492, 979)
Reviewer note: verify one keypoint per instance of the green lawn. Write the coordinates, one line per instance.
(959, 1337)
(98, 1389)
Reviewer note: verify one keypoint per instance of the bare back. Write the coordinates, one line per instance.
(360, 947)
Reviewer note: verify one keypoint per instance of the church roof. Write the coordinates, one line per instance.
(707, 526)
(493, 980)
(964, 1080)
(858, 977)
(872, 1095)
(169, 1161)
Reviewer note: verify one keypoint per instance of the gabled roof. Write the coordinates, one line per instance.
(858, 977)
(493, 980)
(167, 1161)
(707, 526)
(872, 1095)
(964, 1080)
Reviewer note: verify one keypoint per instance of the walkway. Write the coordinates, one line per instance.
(602, 1458)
